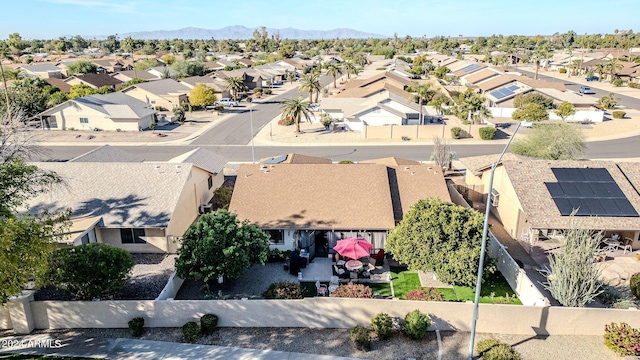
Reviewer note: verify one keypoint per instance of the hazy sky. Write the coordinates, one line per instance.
(47, 19)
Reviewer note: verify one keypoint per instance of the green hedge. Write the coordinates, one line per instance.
(618, 114)
(487, 132)
(455, 132)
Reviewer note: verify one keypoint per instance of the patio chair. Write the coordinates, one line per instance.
(322, 289)
(338, 271)
(372, 264)
(379, 257)
(334, 281)
(626, 245)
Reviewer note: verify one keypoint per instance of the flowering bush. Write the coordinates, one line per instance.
(288, 121)
(424, 294)
(284, 290)
(352, 290)
(622, 339)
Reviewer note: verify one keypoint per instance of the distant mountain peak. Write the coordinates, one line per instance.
(239, 32)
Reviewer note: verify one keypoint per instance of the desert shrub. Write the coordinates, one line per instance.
(288, 121)
(622, 339)
(345, 162)
(634, 85)
(562, 71)
(191, 332)
(90, 271)
(267, 91)
(406, 138)
(222, 197)
(618, 82)
(218, 108)
(455, 132)
(424, 294)
(618, 114)
(634, 285)
(382, 326)
(326, 120)
(208, 323)
(416, 324)
(277, 255)
(284, 290)
(179, 113)
(361, 338)
(258, 90)
(352, 290)
(490, 349)
(136, 325)
(487, 132)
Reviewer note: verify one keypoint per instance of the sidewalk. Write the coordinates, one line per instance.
(143, 349)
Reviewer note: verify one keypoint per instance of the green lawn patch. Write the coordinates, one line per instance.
(494, 291)
(380, 288)
(403, 282)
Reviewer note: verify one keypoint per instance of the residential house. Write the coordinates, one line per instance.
(533, 198)
(217, 85)
(95, 81)
(163, 72)
(44, 71)
(129, 75)
(111, 111)
(60, 84)
(143, 207)
(364, 200)
(365, 87)
(163, 94)
(252, 79)
(483, 75)
(108, 66)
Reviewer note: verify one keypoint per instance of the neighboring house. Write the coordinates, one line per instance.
(482, 75)
(105, 112)
(110, 66)
(163, 72)
(60, 84)
(143, 207)
(165, 93)
(331, 201)
(252, 79)
(42, 70)
(533, 197)
(95, 81)
(357, 87)
(217, 85)
(129, 75)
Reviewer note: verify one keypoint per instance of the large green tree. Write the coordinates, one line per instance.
(219, 245)
(530, 112)
(202, 95)
(26, 241)
(565, 110)
(559, 141)
(82, 67)
(544, 101)
(296, 108)
(439, 236)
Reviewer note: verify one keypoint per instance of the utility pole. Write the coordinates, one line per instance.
(253, 153)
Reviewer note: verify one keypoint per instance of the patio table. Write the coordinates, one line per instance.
(353, 265)
(612, 245)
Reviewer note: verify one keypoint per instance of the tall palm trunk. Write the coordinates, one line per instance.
(334, 82)
(6, 94)
(421, 117)
(310, 96)
(537, 68)
(297, 119)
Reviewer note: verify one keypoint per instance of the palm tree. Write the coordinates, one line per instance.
(310, 83)
(296, 108)
(541, 53)
(423, 94)
(601, 69)
(235, 84)
(333, 70)
(349, 68)
(361, 60)
(612, 66)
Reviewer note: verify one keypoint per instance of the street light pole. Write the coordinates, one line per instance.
(485, 231)
(253, 153)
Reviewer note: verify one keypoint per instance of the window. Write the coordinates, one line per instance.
(132, 236)
(85, 239)
(495, 197)
(276, 237)
(84, 120)
(210, 182)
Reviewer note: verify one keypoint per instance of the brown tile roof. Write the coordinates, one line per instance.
(98, 80)
(495, 82)
(60, 84)
(314, 196)
(416, 182)
(360, 92)
(391, 161)
(483, 74)
(293, 158)
(528, 179)
(539, 84)
(477, 164)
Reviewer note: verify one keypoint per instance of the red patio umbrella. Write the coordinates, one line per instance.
(353, 248)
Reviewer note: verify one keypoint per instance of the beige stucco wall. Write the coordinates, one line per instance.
(76, 81)
(328, 313)
(398, 131)
(509, 210)
(5, 319)
(167, 102)
(194, 194)
(69, 117)
(156, 240)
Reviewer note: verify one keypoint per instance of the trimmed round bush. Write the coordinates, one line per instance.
(352, 290)
(424, 294)
(208, 323)
(287, 121)
(90, 271)
(267, 91)
(562, 71)
(634, 284)
(618, 114)
(455, 132)
(284, 290)
(136, 325)
(345, 162)
(487, 132)
(361, 338)
(191, 332)
(416, 325)
(382, 325)
(618, 82)
(490, 349)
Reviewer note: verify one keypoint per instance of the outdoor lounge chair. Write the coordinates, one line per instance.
(322, 289)
(379, 257)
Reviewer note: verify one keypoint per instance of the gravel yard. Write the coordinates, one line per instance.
(148, 278)
(336, 342)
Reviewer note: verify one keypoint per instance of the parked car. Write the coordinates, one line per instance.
(227, 102)
(586, 90)
(314, 107)
(592, 78)
(526, 124)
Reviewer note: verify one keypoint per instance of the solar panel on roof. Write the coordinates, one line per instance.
(470, 67)
(512, 87)
(589, 192)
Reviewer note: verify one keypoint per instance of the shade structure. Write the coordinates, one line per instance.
(353, 248)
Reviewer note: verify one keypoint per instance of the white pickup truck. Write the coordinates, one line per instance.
(227, 102)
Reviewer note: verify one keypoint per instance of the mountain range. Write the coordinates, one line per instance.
(238, 32)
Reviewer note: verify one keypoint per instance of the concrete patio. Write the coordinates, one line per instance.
(321, 269)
